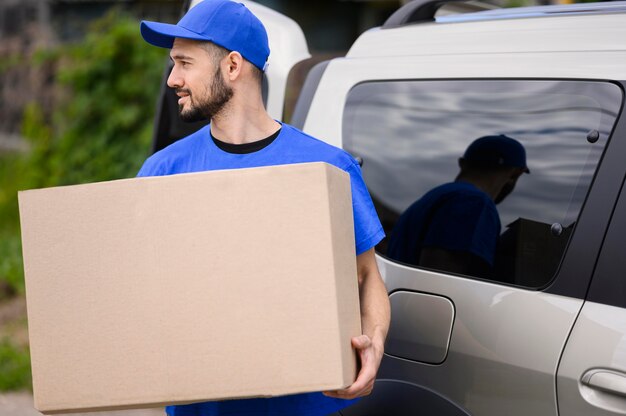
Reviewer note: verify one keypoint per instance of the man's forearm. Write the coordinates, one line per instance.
(375, 316)
(375, 310)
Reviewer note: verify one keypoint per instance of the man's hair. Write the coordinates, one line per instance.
(217, 53)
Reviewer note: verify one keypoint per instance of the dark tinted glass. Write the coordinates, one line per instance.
(411, 134)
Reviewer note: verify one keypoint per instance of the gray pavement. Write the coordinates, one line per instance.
(21, 404)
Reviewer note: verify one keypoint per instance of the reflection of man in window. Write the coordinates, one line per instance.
(455, 227)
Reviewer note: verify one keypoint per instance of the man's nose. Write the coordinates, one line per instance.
(174, 80)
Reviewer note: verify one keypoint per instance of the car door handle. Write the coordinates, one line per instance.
(606, 380)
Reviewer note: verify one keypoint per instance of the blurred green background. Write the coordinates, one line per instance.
(94, 124)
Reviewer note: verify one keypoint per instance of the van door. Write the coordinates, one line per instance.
(287, 47)
(592, 373)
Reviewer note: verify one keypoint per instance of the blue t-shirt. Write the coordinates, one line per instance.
(455, 216)
(198, 152)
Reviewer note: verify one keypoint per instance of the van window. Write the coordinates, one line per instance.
(440, 212)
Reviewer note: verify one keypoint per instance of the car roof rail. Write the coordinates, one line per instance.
(416, 11)
(422, 11)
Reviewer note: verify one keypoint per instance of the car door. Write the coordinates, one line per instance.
(287, 47)
(476, 344)
(460, 344)
(592, 373)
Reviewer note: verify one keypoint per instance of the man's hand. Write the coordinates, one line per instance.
(370, 356)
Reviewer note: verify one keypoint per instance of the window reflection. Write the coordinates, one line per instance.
(411, 135)
(455, 226)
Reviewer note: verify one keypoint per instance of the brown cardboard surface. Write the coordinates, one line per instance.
(213, 285)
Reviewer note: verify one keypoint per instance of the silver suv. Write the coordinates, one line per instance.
(544, 334)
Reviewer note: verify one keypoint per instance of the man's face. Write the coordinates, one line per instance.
(509, 186)
(505, 191)
(198, 81)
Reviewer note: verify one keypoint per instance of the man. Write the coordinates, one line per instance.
(219, 50)
(455, 227)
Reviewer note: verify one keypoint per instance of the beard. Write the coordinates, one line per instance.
(215, 99)
(506, 190)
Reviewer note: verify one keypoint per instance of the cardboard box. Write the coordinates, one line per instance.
(204, 286)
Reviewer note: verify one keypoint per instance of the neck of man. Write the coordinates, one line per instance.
(243, 120)
(491, 185)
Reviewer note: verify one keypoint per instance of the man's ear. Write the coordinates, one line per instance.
(233, 65)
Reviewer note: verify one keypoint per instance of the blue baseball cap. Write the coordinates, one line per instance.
(223, 22)
(497, 150)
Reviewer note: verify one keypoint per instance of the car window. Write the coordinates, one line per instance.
(439, 212)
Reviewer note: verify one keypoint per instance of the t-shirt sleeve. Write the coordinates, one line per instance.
(469, 224)
(368, 230)
(149, 168)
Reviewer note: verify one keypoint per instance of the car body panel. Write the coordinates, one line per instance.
(343, 74)
(426, 336)
(400, 398)
(505, 346)
(547, 34)
(598, 342)
(591, 378)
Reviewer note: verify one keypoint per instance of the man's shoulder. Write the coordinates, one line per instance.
(183, 146)
(451, 196)
(463, 200)
(298, 137)
(317, 149)
(157, 164)
(461, 190)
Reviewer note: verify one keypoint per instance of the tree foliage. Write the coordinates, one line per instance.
(99, 129)
(14, 366)
(102, 129)
(101, 125)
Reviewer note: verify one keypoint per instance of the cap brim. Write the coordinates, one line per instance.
(163, 34)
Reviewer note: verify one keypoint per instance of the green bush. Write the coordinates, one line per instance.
(99, 129)
(14, 366)
(11, 265)
(102, 129)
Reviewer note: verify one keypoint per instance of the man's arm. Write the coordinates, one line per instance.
(375, 315)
